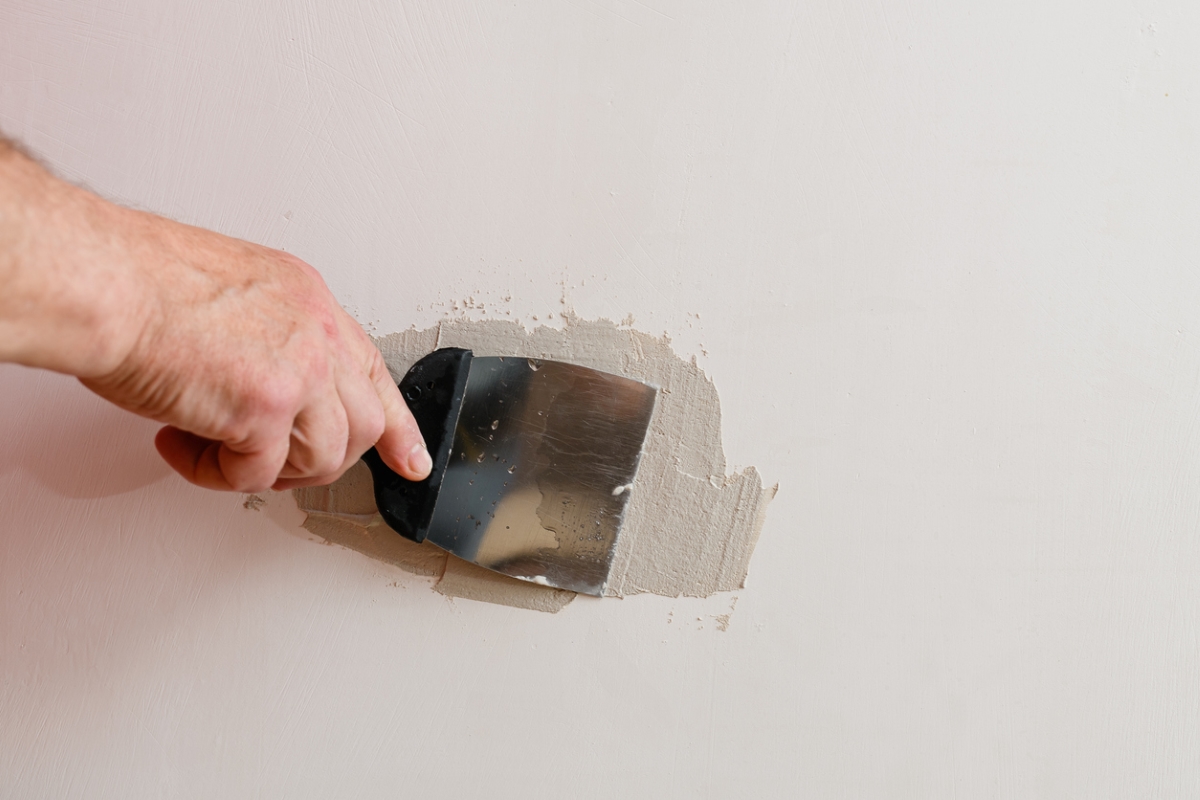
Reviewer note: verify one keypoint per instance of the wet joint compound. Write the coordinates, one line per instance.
(689, 529)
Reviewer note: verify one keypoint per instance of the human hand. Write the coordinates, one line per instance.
(262, 378)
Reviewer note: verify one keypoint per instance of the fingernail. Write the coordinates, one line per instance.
(419, 461)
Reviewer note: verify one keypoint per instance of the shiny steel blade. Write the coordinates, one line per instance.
(541, 470)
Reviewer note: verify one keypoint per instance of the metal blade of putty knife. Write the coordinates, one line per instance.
(533, 464)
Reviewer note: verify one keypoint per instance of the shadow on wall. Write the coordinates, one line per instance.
(70, 440)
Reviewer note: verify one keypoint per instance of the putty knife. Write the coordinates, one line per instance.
(533, 463)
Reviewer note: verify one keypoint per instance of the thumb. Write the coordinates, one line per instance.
(401, 446)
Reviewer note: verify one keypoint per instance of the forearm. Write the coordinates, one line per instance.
(68, 296)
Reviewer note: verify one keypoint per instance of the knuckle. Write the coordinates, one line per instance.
(373, 426)
(276, 396)
(326, 462)
(248, 476)
(331, 476)
(249, 484)
(377, 368)
(321, 451)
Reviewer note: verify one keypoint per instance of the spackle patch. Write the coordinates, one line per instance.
(344, 513)
(464, 579)
(689, 528)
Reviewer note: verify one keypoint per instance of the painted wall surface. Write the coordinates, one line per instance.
(940, 260)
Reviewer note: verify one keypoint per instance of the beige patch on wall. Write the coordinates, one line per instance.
(689, 528)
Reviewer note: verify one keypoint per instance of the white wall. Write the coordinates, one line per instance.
(940, 260)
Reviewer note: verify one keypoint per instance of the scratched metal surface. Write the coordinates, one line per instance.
(539, 476)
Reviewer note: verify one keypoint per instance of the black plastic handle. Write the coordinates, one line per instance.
(433, 389)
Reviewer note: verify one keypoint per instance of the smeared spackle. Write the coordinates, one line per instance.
(464, 579)
(345, 514)
(689, 528)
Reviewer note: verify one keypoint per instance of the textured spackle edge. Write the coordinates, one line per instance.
(689, 529)
(345, 514)
(464, 579)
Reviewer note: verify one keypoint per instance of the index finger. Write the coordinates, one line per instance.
(401, 446)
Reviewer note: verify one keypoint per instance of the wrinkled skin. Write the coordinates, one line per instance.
(260, 377)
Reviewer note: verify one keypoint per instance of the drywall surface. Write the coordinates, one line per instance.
(938, 258)
(689, 528)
